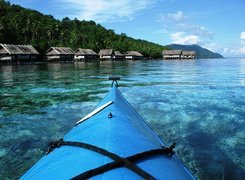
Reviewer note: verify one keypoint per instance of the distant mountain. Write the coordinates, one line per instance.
(201, 53)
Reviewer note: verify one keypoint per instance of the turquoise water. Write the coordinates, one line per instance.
(200, 104)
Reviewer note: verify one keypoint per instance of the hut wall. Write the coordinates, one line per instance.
(128, 57)
(23, 56)
(138, 57)
(175, 56)
(33, 57)
(187, 57)
(118, 57)
(106, 57)
(53, 57)
(79, 57)
(61, 57)
(91, 57)
(66, 57)
(85, 57)
(5, 57)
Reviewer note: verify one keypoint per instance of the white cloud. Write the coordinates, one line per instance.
(225, 50)
(242, 36)
(183, 38)
(238, 49)
(241, 50)
(183, 31)
(178, 16)
(196, 29)
(104, 10)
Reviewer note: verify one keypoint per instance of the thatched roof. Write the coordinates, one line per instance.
(189, 53)
(106, 52)
(118, 53)
(3, 51)
(133, 53)
(171, 52)
(17, 49)
(59, 50)
(81, 51)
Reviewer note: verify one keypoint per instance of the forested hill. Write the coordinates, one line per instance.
(24, 26)
(201, 53)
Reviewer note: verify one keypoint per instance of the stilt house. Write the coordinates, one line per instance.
(188, 54)
(133, 55)
(20, 53)
(106, 54)
(85, 55)
(60, 54)
(171, 54)
(118, 56)
(178, 54)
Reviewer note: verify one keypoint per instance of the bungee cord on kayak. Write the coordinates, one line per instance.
(128, 162)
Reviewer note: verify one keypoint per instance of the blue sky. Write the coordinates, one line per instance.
(218, 25)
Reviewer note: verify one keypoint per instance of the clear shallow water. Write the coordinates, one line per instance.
(200, 104)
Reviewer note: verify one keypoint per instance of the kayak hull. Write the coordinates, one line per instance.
(116, 127)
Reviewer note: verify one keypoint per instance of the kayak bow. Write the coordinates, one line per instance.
(111, 142)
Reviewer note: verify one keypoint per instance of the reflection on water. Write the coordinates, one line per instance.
(200, 104)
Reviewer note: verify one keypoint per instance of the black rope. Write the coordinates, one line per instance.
(117, 164)
(114, 81)
(116, 158)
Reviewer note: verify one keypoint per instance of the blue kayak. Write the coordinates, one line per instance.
(112, 142)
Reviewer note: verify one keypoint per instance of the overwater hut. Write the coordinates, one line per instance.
(188, 54)
(106, 54)
(118, 56)
(17, 53)
(171, 54)
(133, 55)
(60, 54)
(85, 55)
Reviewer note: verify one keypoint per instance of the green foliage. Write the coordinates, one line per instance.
(23, 26)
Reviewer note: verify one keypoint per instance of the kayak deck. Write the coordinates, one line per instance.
(116, 127)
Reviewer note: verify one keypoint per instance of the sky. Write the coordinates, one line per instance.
(218, 25)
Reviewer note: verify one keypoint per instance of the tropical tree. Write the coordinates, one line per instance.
(24, 26)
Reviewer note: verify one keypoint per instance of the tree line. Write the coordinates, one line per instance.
(24, 26)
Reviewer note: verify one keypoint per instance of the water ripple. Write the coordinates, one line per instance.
(200, 104)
